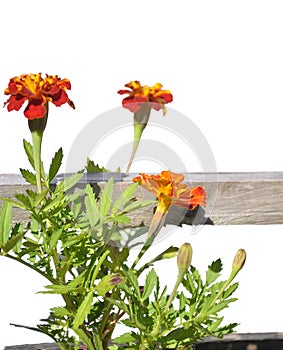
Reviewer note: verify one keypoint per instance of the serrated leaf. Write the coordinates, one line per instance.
(13, 203)
(29, 152)
(58, 289)
(83, 310)
(68, 182)
(221, 305)
(28, 176)
(124, 197)
(213, 271)
(139, 204)
(229, 291)
(106, 197)
(12, 242)
(132, 278)
(24, 199)
(213, 327)
(55, 164)
(94, 168)
(125, 338)
(54, 239)
(121, 219)
(5, 223)
(92, 209)
(60, 311)
(150, 282)
(179, 334)
(39, 197)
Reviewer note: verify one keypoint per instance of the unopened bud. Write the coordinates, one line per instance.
(239, 260)
(107, 283)
(184, 257)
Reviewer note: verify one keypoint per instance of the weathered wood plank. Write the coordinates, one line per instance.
(248, 341)
(233, 198)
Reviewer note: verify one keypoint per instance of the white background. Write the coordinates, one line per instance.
(223, 62)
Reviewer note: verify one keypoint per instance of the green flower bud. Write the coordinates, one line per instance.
(239, 260)
(107, 283)
(184, 257)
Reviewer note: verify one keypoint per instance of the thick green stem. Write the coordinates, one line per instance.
(37, 140)
(172, 295)
(141, 118)
(155, 226)
(37, 127)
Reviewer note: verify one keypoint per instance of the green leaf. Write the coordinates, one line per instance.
(125, 338)
(150, 282)
(5, 223)
(39, 197)
(121, 219)
(124, 197)
(83, 310)
(213, 271)
(12, 242)
(55, 164)
(92, 210)
(229, 291)
(58, 289)
(214, 326)
(25, 200)
(28, 176)
(179, 334)
(221, 305)
(95, 168)
(29, 152)
(54, 239)
(13, 203)
(68, 183)
(138, 205)
(106, 197)
(132, 278)
(60, 311)
(85, 339)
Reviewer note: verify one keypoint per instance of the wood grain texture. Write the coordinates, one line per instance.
(233, 198)
(240, 341)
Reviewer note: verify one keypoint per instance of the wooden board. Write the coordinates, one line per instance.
(233, 198)
(240, 341)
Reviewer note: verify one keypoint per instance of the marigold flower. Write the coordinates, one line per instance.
(38, 92)
(168, 189)
(154, 96)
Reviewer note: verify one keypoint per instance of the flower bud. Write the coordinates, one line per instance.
(107, 283)
(184, 257)
(239, 260)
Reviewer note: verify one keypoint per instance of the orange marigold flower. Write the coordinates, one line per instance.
(138, 95)
(38, 92)
(168, 189)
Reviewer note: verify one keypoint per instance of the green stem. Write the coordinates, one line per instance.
(138, 130)
(141, 118)
(37, 127)
(174, 291)
(155, 226)
(37, 140)
(226, 284)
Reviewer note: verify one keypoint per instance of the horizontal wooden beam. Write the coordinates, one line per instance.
(233, 198)
(236, 341)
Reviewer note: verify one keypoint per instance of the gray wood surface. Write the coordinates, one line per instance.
(233, 198)
(252, 338)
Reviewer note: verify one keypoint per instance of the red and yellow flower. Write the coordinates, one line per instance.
(38, 92)
(169, 190)
(154, 96)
